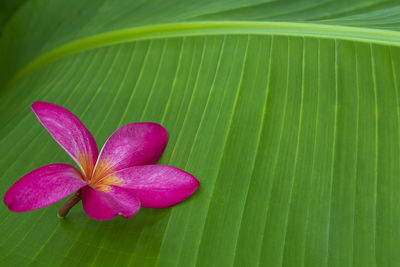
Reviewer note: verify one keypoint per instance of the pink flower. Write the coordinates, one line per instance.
(117, 181)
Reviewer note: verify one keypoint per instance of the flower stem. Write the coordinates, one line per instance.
(69, 204)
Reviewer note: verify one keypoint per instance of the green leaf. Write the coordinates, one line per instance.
(286, 111)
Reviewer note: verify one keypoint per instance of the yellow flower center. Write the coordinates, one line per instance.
(100, 176)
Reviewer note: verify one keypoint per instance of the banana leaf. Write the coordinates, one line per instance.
(287, 112)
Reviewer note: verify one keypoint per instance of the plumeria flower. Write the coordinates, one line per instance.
(117, 181)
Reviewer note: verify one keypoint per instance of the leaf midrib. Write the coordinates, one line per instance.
(171, 30)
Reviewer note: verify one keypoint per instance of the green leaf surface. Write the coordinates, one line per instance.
(286, 111)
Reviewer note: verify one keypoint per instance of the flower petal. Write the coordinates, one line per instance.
(158, 186)
(69, 133)
(133, 144)
(100, 205)
(43, 186)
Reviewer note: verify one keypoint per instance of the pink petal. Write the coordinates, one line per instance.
(43, 186)
(158, 186)
(69, 133)
(133, 144)
(100, 205)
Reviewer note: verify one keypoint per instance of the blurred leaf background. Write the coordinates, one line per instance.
(286, 111)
